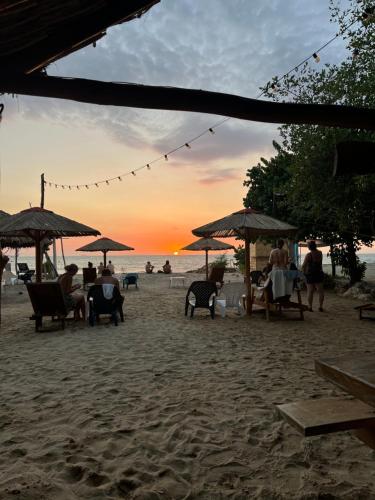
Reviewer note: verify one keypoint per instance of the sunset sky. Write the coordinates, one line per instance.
(228, 46)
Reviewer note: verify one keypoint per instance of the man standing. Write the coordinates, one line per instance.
(279, 256)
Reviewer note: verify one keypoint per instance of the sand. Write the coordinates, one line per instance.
(165, 407)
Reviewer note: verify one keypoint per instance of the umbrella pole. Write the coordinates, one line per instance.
(247, 275)
(105, 258)
(38, 258)
(206, 265)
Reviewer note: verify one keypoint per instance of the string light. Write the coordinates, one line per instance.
(55, 186)
(86, 186)
(70, 187)
(78, 188)
(368, 14)
(63, 187)
(316, 57)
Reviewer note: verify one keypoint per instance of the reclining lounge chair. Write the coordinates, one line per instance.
(47, 299)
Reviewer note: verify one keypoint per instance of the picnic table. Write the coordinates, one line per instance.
(355, 374)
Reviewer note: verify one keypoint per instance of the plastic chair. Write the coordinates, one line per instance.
(204, 297)
(232, 296)
(130, 279)
(99, 304)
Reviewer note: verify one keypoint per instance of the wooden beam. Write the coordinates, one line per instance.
(180, 99)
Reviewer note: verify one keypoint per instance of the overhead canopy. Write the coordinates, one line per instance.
(14, 241)
(207, 244)
(246, 223)
(104, 245)
(38, 223)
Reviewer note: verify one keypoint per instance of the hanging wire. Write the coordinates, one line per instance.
(211, 129)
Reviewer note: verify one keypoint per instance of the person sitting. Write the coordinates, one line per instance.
(100, 268)
(74, 300)
(279, 257)
(167, 269)
(90, 265)
(107, 279)
(149, 267)
(111, 267)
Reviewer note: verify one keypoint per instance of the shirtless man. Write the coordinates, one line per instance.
(279, 257)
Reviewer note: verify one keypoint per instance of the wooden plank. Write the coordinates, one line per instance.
(355, 373)
(323, 416)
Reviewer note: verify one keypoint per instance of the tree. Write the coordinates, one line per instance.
(338, 210)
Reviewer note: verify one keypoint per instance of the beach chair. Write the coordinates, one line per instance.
(232, 295)
(47, 299)
(366, 308)
(104, 299)
(89, 276)
(216, 275)
(130, 279)
(204, 293)
(256, 277)
(262, 297)
(24, 273)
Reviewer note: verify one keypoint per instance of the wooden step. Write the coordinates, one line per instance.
(322, 416)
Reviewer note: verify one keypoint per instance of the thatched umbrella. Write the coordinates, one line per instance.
(39, 223)
(14, 241)
(248, 224)
(104, 245)
(207, 244)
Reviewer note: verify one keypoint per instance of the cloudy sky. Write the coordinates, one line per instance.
(232, 46)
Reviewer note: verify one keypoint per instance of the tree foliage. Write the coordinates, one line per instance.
(296, 185)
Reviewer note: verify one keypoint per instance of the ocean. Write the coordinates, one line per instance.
(136, 263)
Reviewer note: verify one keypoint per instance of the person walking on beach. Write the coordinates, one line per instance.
(279, 256)
(74, 300)
(313, 269)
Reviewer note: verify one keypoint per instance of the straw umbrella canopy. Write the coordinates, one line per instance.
(14, 241)
(207, 244)
(104, 245)
(248, 224)
(39, 223)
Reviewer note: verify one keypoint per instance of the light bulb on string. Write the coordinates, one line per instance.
(96, 184)
(133, 173)
(119, 178)
(77, 187)
(63, 186)
(211, 130)
(316, 57)
(148, 167)
(107, 182)
(187, 145)
(70, 187)
(55, 186)
(87, 186)
(166, 157)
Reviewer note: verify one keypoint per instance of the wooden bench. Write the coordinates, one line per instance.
(365, 307)
(323, 416)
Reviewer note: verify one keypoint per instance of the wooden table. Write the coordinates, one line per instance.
(355, 374)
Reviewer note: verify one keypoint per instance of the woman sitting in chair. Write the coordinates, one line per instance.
(74, 300)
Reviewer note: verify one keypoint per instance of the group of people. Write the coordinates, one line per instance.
(312, 268)
(166, 269)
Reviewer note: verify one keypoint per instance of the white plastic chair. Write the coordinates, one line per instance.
(231, 295)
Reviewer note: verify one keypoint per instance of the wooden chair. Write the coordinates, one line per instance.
(263, 298)
(47, 299)
(204, 297)
(216, 275)
(365, 307)
(89, 276)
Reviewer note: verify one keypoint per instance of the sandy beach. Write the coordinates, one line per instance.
(165, 407)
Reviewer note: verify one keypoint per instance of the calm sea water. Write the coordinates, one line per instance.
(136, 263)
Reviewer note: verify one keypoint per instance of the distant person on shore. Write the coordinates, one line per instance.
(313, 269)
(111, 267)
(279, 256)
(149, 267)
(74, 300)
(167, 269)
(100, 268)
(90, 265)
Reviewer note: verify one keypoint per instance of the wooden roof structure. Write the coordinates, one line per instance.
(35, 33)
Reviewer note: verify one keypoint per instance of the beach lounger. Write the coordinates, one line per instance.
(89, 276)
(201, 294)
(130, 279)
(366, 307)
(104, 299)
(47, 299)
(262, 297)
